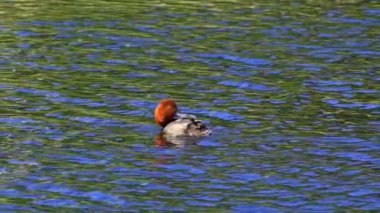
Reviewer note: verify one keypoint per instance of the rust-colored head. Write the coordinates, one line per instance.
(165, 112)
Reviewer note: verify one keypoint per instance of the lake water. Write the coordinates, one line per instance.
(291, 90)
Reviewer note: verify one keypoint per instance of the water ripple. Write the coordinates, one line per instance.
(247, 85)
(290, 92)
(250, 61)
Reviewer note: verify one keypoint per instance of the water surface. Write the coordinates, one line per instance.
(290, 89)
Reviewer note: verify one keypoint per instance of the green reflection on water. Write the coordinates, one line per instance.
(100, 59)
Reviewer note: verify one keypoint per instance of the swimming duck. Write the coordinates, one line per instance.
(176, 124)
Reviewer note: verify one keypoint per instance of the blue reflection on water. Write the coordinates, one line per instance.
(250, 61)
(247, 85)
(265, 156)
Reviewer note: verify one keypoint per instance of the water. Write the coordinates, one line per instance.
(291, 91)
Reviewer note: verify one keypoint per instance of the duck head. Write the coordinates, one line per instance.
(165, 112)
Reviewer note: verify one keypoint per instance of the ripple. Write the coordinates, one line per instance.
(200, 203)
(255, 208)
(332, 83)
(216, 114)
(105, 197)
(182, 167)
(208, 143)
(57, 203)
(32, 142)
(250, 61)
(338, 104)
(27, 33)
(77, 101)
(12, 193)
(18, 120)
(138, 75)
(355, 156)
(363, 192)
(247, 85)
(364, 22)
(38, 92)
(78, 159)
(246, 176)
(20, 162)
(292, 102)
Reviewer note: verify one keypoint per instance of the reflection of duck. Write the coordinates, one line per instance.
(176, 125)
(161, 140)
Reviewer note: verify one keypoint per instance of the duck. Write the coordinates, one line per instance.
(175, 124)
